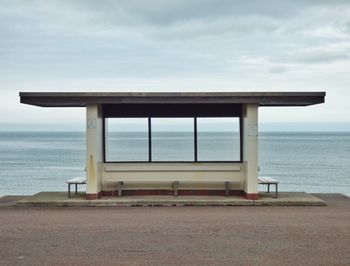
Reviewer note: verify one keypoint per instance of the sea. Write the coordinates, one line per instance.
(31, 162)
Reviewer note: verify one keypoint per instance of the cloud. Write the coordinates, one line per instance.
(167, 12)
(110, 17)
(317, 56)
(247, 41)
(164, 13)
(278, 69)
(238, 26)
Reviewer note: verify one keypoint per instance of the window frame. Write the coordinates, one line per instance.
(195, 142)
(240, 142)
(104, 132)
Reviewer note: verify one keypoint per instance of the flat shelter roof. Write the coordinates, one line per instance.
(82, 99)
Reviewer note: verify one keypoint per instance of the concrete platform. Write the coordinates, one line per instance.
(60, 199)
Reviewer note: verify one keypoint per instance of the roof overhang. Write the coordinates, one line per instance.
(82, 99)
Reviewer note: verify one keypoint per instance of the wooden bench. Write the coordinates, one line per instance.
(175, 184)
(266, 180)
(75, 181)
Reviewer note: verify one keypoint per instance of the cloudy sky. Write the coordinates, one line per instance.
(180, 45)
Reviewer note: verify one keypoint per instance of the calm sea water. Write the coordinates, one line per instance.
(314, 162)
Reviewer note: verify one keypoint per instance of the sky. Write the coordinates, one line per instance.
(180, 45)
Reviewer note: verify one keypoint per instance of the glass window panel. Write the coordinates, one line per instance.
(127, 139)
(172, 139)
(218, 139)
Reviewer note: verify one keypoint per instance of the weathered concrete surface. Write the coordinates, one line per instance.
(11, 200)
(290, 199)
(56, 199)
(245, 235)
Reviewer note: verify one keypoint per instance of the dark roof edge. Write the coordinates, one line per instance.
(171, 94)
(81, 99)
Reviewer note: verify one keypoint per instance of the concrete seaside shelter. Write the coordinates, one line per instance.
(154, 177)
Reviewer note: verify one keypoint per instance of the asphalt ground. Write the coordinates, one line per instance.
(251, 235)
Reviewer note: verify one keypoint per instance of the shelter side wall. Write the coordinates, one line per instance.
(164, 173)
(94, 149)
(250, 148)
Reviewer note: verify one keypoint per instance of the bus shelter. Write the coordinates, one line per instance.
(154, 173)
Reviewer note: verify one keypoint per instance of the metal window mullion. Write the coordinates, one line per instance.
(104, 139)
(195, 140)
(149, 140)
(241, 138)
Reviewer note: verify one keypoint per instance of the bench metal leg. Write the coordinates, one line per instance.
(68, 190)
(276, 192)
(120, 184)
(175, 188)
(227, 188)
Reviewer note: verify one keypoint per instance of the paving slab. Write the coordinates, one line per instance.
(10, 200)
(56, 199)
(60, 199)
(290, 199)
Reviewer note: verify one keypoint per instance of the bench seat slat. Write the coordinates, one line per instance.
(77, 180)
(267, 180)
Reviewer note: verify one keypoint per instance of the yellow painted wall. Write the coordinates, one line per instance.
(94, 148)
(250, 147)
(169, 172)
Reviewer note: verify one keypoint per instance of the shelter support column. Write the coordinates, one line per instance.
(250, 150)
(94, 150)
